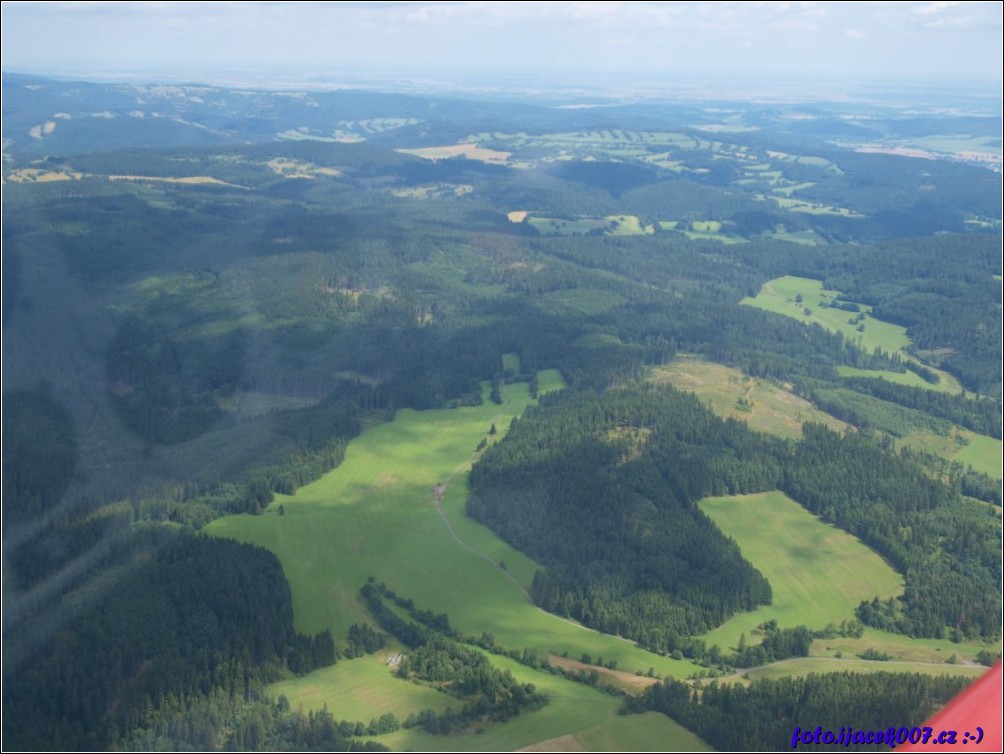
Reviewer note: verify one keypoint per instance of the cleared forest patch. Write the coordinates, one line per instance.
(764, 405)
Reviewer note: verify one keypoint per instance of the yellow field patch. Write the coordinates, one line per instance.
(190, 179)
(899, 151)
(470, 151)
(765, 406)
(517, 216)
(34, 175)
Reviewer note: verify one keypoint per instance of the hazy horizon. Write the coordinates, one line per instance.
(781, 45)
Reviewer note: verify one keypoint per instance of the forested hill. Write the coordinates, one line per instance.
(602, 490)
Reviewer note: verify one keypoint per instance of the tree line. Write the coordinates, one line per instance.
(764, 715)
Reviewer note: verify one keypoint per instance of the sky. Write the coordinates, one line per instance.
(683, 41)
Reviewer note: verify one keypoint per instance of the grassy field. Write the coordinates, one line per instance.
(763, 405)
(701, 230)
(804, 665)
(578, 718)
(771, 408)
(781, 296)
(246, 404)
(647, 732)
(803, 237)
(800, 299)
(376, 515)
(983, 454)
(819, 574)
(956, 143)
(810, 208)
(979, 451)
(903, 378)
(360, 690)
(902, 648)
(921, 432)
(510, 361)
(610, 225)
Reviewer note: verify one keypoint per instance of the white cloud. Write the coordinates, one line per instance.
(937, 7)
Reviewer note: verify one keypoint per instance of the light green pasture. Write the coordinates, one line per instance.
(982, 453)
(818, 573)
(376, 515)
(779, 295)
(802, 666)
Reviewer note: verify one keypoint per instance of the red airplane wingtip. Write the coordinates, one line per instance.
(978, 706)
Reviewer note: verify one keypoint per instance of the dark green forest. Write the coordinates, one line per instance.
(191, 624)
(189, 330)
(764, 716)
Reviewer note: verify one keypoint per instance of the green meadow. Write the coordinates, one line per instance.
(803, 237)
(903, 648)
(983, 454)
(818, 573)
(610, 225)
(802, 666)
(781, 296)
(701, 230)
(800, 298)
(952, 143)
(360, 690)
(376, 515)
(577, 718)
(903, 378)
(811, 208)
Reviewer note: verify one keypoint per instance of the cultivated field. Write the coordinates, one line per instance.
(470, 151)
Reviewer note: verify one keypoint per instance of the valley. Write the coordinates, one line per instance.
(349, 418)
